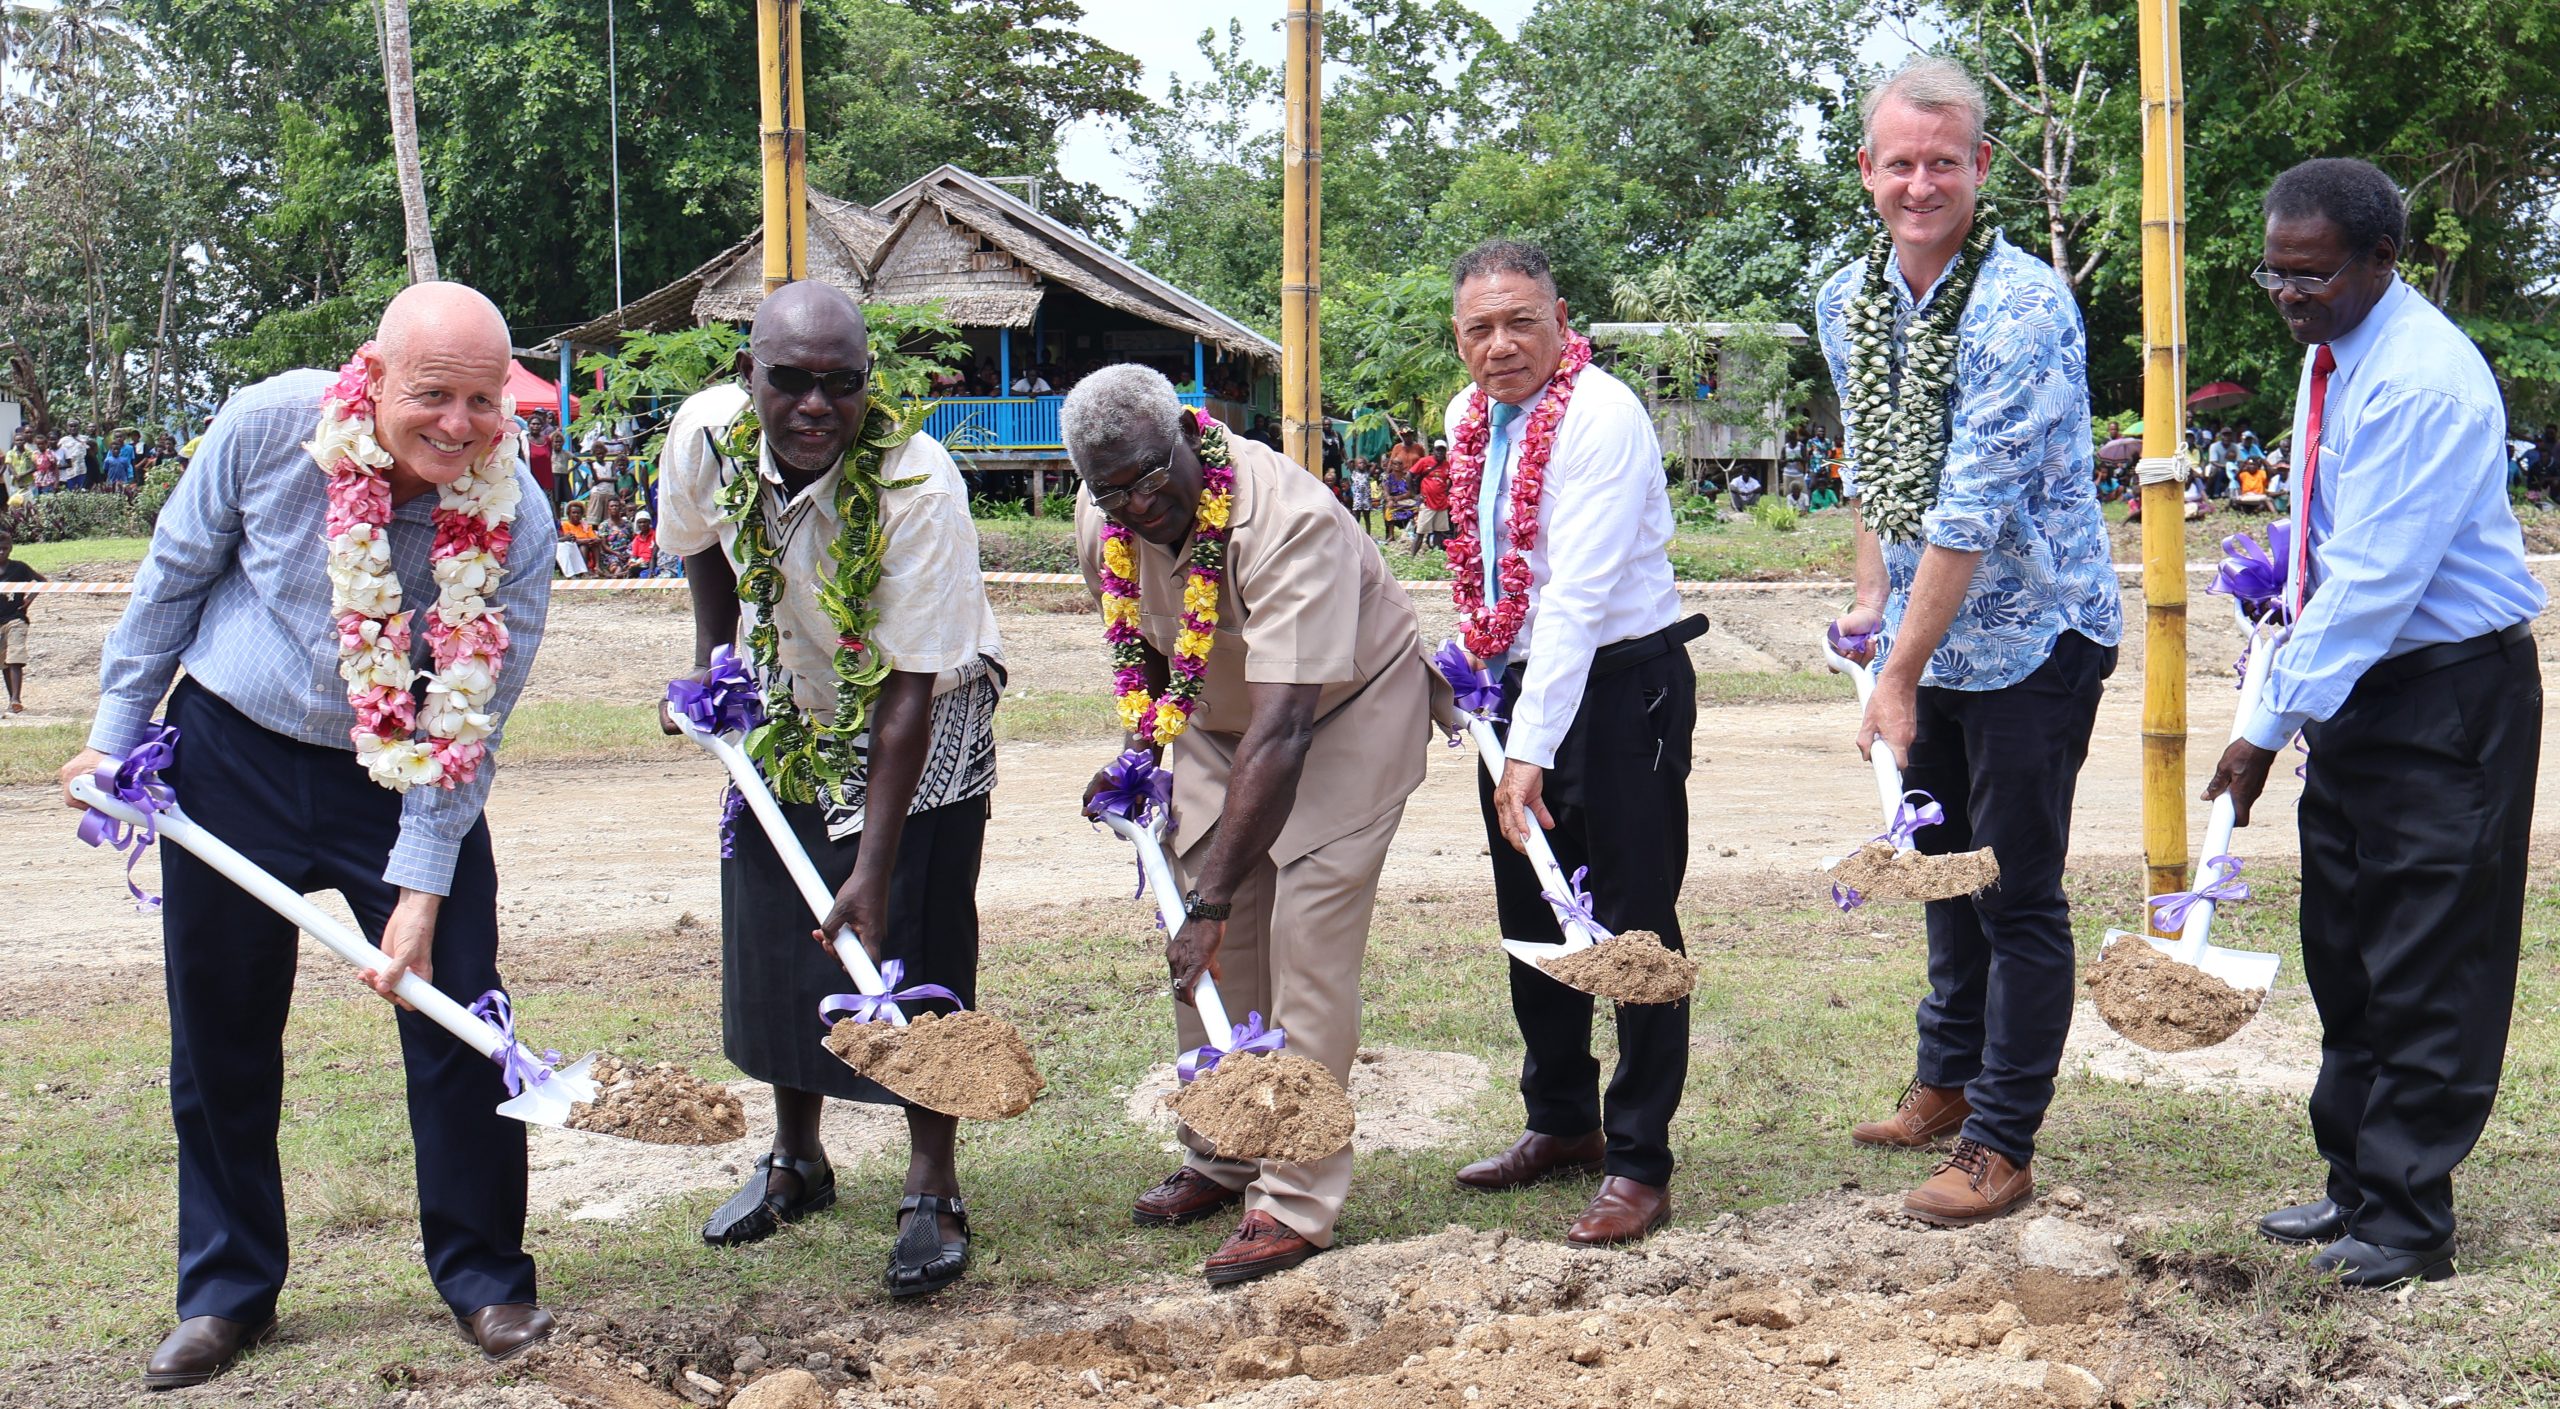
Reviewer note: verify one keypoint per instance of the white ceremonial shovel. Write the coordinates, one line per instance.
(1888, 776)
(1542, 859)
(795, 857)
(2240, 968)
(1151, 857)
(543, 1102)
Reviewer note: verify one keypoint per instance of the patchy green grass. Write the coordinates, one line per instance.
(51, 558)
(1750, 687)
(1819, 547)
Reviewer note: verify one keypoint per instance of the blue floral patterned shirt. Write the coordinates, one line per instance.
(2018, 486)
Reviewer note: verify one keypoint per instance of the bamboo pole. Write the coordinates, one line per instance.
(394, 34)
(2164, 378)
(1301, 282)
(786, 143)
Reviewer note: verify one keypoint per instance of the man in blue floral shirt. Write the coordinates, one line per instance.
(1983, 575)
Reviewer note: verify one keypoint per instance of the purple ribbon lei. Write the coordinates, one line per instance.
(1479, 691)
(515, 1065)
(1574, 906)
(725, 701)
(2254, 576)
(134, 781)
(865, 1008)
(1250, 1036)
(2169, 912)
(1908, 820)
(1848, 644)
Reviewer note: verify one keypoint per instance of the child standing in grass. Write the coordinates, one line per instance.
(13, 624)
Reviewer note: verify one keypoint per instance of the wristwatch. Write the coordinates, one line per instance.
(1194, 908)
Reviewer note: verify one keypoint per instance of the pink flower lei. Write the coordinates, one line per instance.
(1490, 632)
(466, 632)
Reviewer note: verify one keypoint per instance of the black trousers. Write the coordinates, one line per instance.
(2004, 764)
(2415, 820)
(1619, 794)
(312, 817)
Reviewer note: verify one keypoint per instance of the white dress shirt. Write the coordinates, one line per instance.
(1601, 570)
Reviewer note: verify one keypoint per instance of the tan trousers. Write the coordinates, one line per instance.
(1293, 951)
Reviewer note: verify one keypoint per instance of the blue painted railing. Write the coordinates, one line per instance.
(1028, 425)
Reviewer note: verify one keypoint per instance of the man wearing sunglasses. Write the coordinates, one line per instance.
(899, 841)
(2411, 675)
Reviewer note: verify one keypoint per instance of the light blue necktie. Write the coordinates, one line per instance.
(1489, 487)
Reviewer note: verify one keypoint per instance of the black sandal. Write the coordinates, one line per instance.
(921, 1263)
(754, 1213)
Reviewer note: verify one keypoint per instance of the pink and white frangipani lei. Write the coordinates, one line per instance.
(465, 631)
(1490, 631)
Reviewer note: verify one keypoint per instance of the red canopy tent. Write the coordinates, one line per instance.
(532, 389)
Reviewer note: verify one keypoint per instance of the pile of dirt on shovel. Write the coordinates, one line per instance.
(1275, 1105)
(662, 1105)
(970, 1065)
(1879, 871)
(1631, 968)
(2159, 1003)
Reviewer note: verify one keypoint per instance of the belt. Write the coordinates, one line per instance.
(1636, 650)
(2427, 659)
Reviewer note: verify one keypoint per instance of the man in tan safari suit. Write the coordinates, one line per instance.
(1316, 693)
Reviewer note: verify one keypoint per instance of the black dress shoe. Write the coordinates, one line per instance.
(2361, 1264)
(755, 1212)
(506, 1330)
(2321, 1221)
(921, 1263)
(201, 1348)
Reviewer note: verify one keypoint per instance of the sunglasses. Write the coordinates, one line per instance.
(2311, 284)
(797, 381)
(1110, 500)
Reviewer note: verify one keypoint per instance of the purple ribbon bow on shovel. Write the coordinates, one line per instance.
(2169, 912)
(1848, 644)
(866, 1008)
(1908, 820)
(515, 1065)
(1479, 691)
(725, 701)
(2254, 576)
(135, 782)
(1250, 1036)
(1136, 787)
(1575, 904)
(1847, 898)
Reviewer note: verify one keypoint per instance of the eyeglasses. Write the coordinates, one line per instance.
(796, 381)
(1150, 483)
(2271, 281)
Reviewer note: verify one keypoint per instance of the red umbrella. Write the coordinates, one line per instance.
(2217, 395)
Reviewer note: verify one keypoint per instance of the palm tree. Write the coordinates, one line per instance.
(63, 40)
(404, 139)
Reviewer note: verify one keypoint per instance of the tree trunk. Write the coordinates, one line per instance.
(404, 139)
(29, 380)
(160, 342)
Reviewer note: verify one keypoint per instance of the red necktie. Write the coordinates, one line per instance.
(2323, 363)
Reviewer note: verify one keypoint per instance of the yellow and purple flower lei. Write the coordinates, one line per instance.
(1162, 720)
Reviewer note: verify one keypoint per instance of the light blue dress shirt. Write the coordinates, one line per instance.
(236, 589)
(2018, 486)
(2413, 542)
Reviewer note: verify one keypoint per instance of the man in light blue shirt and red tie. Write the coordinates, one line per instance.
(2411, 675)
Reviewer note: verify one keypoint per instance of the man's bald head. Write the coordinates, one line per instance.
(439, 370)
(808, 366)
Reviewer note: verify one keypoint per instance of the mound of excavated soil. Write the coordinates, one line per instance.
(1401, 1098)
(964, 1064)
(662, 1105)
(1631, 968)
(2159, 1003)
(1276, 1105)
(1879, 872)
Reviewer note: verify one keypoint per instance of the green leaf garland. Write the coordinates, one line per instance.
(1900, 446)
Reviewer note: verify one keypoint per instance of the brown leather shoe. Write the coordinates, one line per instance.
(1184, 1196)
(505, 1330)
(1623, 1211)
(201, 1348)
(1534, 1158)
(1924, 1114)
(1975, 1185)
(1260, 1246)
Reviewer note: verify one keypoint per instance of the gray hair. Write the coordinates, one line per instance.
(1503, 257)
(1933, 83)
(1122, 406)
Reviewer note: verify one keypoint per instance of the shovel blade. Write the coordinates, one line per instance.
(2240, 968)
(1535, 954)
(550, 1102)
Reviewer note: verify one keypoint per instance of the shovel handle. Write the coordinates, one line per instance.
(1159, 871)
(795, 857)
(1542, 857)
(176, 826)
(2218, 827)
(1888, 776)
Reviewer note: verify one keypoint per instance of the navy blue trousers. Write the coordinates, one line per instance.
(2004, 763)
(312, 817)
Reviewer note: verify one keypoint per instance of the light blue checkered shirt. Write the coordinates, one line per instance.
(236, 589)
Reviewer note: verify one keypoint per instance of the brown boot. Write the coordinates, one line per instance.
(1184, 1196)
(1975, 1185)
(1535, 1158)
(1924, 1114)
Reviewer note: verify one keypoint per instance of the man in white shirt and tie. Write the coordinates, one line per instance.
(1563, 584)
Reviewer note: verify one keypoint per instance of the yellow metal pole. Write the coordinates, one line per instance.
(1301, 283)
(786, 143)
(2164, 389)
